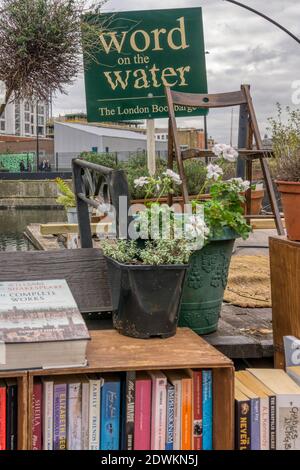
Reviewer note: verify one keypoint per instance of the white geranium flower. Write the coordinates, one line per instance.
(225, 151)
(174, 176)
(240, 184)
(214, 172)
(140, 182)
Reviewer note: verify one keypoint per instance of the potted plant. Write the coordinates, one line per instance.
(67, 199)
(286, 166)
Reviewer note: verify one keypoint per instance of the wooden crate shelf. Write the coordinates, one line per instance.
(110, 352)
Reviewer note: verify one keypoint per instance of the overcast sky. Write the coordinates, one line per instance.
(243, 48)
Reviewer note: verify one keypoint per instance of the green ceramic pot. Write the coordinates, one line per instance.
(205, 284)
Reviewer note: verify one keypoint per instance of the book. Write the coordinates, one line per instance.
(287, 406)
(207, 409)
(41, 326)
(186, 411)
(85, 413)
(128, 410)
(37, 415)
(110, 413)
(74, 414)
(60, 415)
(2, 415)
(197, 409)
(291, 346)
(170, 416)
(254, 414)
(294, 373)
(174, 377)
(159, 410)
(95, 384)
(47, 413)
(267, 410)
(242, 420)
(11, 414)
(142, 412)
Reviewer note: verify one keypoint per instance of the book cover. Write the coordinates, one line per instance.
(37, 415)
(186, 412)
(48, 385)
(242, 421)
(170, 416)
(197, 410)
(60, 416)
(255, 412)
(95, 384)
(110, 413)
(142, 412)
(207, 409)
(174, 378)
(74, 416)
(2, 415)
(128, 410)
(288, 422)
(158, 410)
(11, 414)
(291, 351)
(39, 311)
(85, 413)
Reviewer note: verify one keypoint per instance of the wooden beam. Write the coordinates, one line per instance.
(60, 228)
(264, 224)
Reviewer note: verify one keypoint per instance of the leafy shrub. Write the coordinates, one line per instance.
(104, 159)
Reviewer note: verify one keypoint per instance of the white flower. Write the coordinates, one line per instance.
(174, 176)
(225, 151)
(214, 172)
(240, 184)
(140, 182)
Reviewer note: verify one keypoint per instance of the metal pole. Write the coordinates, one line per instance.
(37, 139)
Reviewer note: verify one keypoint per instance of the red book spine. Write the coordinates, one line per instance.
(2, 418)
(197, 410)
(37, 416)
(142, 414)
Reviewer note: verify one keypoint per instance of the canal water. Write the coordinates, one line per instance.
(13, 223)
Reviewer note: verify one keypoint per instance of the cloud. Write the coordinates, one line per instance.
(244, 48)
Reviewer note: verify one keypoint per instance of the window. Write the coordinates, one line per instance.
(95, 149)
(106, 149)
(41, 120)
(2, 125)
(40, 130)
(27, 117)
(27, 106)
(41, 109)
(27, 129)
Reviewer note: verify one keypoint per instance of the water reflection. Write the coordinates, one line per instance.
(13, 223)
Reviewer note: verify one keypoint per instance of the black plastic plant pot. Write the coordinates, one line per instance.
(146, 299)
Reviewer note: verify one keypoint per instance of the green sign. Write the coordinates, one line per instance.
(141, 52)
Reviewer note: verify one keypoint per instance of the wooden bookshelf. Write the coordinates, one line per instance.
(21, 378)
(108, 351)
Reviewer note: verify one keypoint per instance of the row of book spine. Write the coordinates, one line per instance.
(154, 410)
(8, 414)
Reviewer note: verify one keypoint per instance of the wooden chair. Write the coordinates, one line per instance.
(247, 130)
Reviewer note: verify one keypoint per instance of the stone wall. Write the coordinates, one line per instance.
(30, 194)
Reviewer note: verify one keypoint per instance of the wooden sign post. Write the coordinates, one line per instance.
(151, 163)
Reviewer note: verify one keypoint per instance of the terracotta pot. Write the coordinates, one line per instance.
(290, 197)
(257, 196)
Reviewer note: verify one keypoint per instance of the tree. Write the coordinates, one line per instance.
(40, 46)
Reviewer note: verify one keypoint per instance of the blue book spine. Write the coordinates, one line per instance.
(110, 415)
(207, 409)
(255, 424)
(170, 416)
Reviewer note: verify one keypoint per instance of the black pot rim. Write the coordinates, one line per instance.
(147, 266)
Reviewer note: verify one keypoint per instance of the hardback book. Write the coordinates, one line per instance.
(142, 412)
(207, 409)
(47, 413)
(11, 414)
(60, 415)
(95, 384)
(287, 406)
(255, 413)
(197, 409)
(37, 415)
(110, 413)
(170, 416)
(2, 415)
(40, 326)
(294, 373)
(291, 351)
(174, 377)
(242, 420)
(159, 410)
(74, 414)
(128, 411)
(267, 409)
(186, 411)
(85, 413)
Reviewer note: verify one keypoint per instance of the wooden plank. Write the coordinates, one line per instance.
(218, 100)
(223, 411)
(84, 269)
(285, 282)
(65, 228)
(40, 242)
